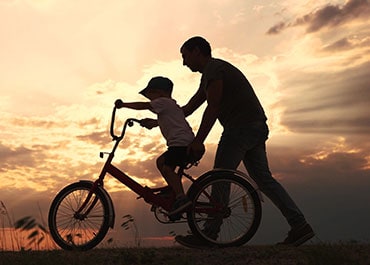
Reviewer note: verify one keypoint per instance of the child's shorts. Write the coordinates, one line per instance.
(175, 156)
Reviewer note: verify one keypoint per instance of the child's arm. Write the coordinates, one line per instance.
(147, 123)
(133, 105)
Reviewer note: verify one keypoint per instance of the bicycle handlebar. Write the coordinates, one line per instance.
(128, 122)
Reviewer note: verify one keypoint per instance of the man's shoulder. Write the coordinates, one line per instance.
(217, 64)
(217, 61)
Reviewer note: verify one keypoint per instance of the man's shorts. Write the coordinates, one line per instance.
(175, 156)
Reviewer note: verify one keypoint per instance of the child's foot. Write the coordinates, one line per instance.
(179, 206)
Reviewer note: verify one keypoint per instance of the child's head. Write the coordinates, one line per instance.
(160, 86)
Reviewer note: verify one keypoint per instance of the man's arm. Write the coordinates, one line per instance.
(195, 102)
(149, 123)
(214, 96)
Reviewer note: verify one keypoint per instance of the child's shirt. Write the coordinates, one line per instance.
(172, 123)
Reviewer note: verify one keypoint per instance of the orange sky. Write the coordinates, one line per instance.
(64, 63)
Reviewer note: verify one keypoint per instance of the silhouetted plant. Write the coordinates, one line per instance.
(6, 217)
(36, 232)
(129, 223)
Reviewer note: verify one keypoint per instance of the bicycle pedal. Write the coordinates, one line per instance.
(153, 208)
(175, 217)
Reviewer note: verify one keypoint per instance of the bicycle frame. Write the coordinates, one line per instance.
(218, 196)
(148, 194)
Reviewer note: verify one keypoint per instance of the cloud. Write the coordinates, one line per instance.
(60, 82)
(348, 43)
(329, 16)
(334, 102)
(329, 181)
(99, 138)
(276, 29)
(12, 158)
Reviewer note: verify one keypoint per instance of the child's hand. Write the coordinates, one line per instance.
(118, 104)
(148, 123)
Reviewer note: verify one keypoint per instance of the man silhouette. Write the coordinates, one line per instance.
(230, 99)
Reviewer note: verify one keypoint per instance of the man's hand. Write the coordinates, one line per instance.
(118, 104)
(149, 123)
(196, 150)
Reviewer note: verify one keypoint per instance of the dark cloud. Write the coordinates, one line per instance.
(12, 158)
(305, 167)
(348, 43)
(91, 122)
(100, 138)
(277, 28)
(328, 16)
(329, 102)
(342, 44)
(37, 123)
(332, 191)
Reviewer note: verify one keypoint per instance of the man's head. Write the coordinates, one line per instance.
(200, 43)
(195, 53)
(158, 84)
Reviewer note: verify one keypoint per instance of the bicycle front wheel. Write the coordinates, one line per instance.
(226, 210)
(72, 229)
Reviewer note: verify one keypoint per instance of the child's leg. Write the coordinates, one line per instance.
(166, 164)
(168, 172)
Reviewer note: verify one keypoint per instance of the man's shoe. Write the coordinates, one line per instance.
(192, 241)
(298, 235)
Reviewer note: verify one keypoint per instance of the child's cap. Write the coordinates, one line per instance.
(160, 83)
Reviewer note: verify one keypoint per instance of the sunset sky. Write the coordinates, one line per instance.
(63, 64)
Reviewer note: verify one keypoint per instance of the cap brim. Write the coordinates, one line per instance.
(144, 91)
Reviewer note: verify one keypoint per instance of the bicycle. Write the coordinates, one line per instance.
(225, 211)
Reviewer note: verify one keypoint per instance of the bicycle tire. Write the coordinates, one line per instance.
(237, 221)
(73, 233)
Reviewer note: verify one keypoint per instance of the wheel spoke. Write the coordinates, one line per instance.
(226, 210)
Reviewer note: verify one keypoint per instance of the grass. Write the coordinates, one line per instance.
(343, 254)
(338, 254)
(26, 235)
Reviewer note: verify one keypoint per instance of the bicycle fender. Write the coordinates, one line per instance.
(112, 214)
(234, 172)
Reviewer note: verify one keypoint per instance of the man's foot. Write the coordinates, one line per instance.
(192, 241)
(298, 235)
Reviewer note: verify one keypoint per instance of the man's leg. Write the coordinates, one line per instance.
(256, 164)
(229, 154)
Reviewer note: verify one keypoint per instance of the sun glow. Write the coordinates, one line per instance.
(338, 145)
(64, 63)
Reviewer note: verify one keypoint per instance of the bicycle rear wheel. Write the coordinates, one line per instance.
(78, 231)
(226, 209)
